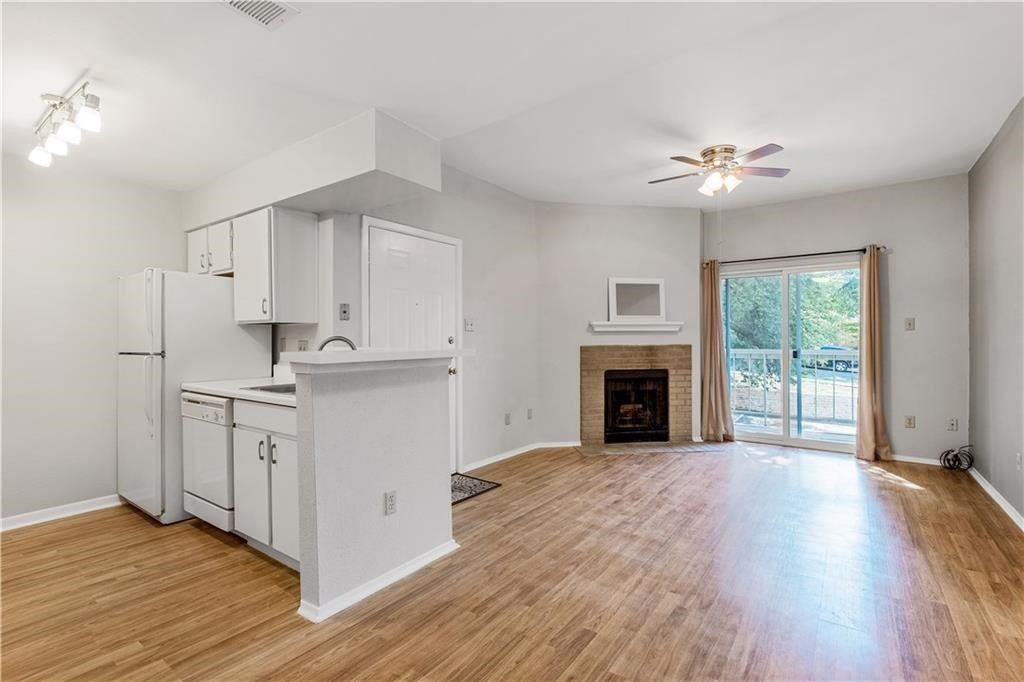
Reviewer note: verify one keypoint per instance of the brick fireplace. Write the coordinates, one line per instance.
(595, 363)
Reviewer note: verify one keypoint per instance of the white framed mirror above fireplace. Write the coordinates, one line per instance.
(636, 304)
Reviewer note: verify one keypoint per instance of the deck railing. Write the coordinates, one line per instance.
(828, 378)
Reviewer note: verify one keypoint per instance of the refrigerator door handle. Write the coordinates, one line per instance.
(149, 304)
(149, 392)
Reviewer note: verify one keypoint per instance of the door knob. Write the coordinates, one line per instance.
(451, 340)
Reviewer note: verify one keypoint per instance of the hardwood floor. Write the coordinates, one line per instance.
(709, 562)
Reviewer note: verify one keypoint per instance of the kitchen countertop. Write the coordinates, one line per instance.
(238, 389)
(308, 361)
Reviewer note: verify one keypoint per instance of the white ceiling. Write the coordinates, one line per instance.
(578, 102)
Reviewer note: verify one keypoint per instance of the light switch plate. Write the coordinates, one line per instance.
(344, 312)
(469, 325)
(910, 422)
(508, 419)
(953, 424)
(909, 324)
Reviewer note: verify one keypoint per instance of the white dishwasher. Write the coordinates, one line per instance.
(206, 441)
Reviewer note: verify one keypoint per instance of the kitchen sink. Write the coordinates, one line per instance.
(273, 388)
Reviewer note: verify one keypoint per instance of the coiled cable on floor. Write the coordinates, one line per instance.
(960, 459)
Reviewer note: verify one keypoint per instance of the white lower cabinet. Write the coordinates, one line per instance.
(284, 496)
(267, 489)
(252, 485)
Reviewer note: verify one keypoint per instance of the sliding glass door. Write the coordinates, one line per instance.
(792, 338)
(752, 314)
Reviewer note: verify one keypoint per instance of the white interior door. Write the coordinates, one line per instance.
(412, 291)
(412, 299)
(139, 431)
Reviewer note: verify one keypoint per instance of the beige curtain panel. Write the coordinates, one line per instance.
(872, 438)
(716, 418)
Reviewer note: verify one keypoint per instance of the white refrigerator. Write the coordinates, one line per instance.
(172, 327)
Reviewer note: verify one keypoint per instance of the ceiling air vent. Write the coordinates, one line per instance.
(269, 15)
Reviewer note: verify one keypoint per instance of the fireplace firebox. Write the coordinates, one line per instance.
(635, 405)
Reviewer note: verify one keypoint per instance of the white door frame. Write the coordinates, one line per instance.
(784, 271)
(380, 223)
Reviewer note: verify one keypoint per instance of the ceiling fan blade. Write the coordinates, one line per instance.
(769, 172)
(674, 177)
(687, 159)
(759, 153)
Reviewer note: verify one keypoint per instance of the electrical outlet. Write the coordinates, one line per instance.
(910, 422)
(344, 312)
(508, 419)
(909, 324)
(390, 502)
(469, 324)
(529, 413)
(953, 424)
(303, 344)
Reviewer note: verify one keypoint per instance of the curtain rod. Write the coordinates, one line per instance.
(797, 255)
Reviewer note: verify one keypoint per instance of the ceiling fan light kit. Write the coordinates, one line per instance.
(721, 168)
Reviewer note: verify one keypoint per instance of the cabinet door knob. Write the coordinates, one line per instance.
(453, 371)
(209, 258)
(264, 306)
(273, 453)
(451, 340)
(262, 456)
(202, 261)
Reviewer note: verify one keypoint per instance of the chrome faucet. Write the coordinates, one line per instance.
(331, 339)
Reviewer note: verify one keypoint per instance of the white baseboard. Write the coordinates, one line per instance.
(997, 497)
(518, 451)
(316, 614)
(59, 512)
(916, 460)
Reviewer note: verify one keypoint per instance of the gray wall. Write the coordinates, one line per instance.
(67, 235)
(580, 248)
(997, 325)
(925, 276)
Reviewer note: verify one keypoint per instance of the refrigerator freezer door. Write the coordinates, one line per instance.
(140, 476)
(140, 312)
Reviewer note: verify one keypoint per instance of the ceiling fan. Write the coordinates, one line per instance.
(722, 168)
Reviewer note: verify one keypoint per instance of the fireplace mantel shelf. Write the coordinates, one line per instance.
(602, 327)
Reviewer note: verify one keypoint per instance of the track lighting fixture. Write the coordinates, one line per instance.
(69, 132)
(40, 157)
(55, 145)
(63, 122)
(87, 117)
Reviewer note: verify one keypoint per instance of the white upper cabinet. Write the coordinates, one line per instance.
(252, 268)
(219, 257)
(275, 266)
(197, 251)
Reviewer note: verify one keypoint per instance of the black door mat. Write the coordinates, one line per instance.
(465, 487)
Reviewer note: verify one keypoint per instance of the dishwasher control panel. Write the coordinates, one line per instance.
(206, 408)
